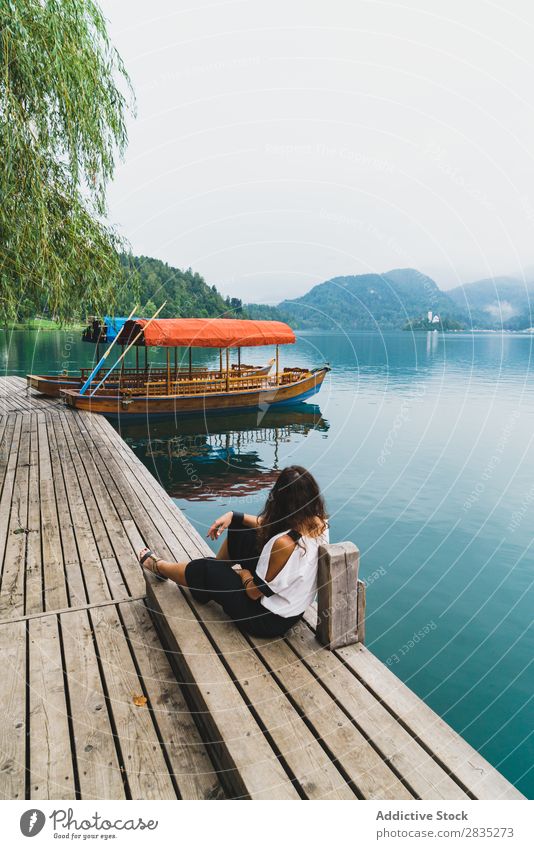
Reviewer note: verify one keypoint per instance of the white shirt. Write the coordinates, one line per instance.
(295, 586)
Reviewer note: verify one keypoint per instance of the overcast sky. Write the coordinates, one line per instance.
(281, 143)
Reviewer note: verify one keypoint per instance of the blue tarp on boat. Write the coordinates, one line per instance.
(114, 325)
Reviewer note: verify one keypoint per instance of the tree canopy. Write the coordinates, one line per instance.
(64, 95)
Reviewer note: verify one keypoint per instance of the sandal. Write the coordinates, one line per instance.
(152, 569)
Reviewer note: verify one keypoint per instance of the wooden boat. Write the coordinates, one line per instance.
(52, 384)
(106, 331)
(194, 395)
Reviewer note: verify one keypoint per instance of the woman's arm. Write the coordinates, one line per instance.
(224, 522)
(281, 551)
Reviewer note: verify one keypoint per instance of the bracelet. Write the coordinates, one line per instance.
(247, 582)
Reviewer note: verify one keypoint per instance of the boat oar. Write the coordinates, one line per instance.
(101, 362)
(132, 343)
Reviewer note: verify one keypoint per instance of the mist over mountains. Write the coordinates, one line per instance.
(393, 299)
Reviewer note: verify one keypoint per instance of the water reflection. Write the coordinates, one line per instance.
(203, 459)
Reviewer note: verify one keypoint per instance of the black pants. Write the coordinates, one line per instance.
(210, 579)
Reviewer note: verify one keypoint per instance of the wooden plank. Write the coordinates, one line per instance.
(51, 763)
(8, 484)
(143, 759)
(55, 587)
(34, 566)
(396, 746)
(192, 769)
(311, 766)
(249, 768)
(99, 771)
(347, 747)
(152, 494)
(85, 554)
(116, 553)
(60, 465)
(13, 711)
(13, 573)
(463, 762)
(337, 594)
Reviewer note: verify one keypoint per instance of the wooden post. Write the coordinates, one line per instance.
(137, 357)
(168, 371)
(190, 362)
(176, 363)
(277, 364)
(227, 369)
(341, 599)
(220, 362)
(239, 361)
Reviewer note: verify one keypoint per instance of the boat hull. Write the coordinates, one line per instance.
(114, 406)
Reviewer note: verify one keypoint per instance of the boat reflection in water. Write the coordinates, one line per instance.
(202, 459)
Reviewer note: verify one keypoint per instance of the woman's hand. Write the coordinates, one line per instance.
(220, 525)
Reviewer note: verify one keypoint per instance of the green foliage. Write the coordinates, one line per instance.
(186, 292)
(62, 118)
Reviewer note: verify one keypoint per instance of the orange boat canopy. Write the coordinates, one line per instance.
(206, 333)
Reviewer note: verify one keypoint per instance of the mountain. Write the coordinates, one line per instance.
(368, 301)
(497, 302)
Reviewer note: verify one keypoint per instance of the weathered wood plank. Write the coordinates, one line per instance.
(59, 461)
(55, 588)
(396, 746)
(51, 763)
(143, 759)
(347, 746)
(192, 769)
(337, 594)
(34, 566)
(99, 771)
(116, 553)
(314, 772)
(13, 572)
(13, 711)
(249, 769)
(85, 554)
(463, 762)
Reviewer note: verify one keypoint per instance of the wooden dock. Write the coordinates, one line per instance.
(121, 687)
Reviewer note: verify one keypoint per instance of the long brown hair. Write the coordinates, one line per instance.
(292, 504)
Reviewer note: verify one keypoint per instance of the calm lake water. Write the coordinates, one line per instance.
(423, 446)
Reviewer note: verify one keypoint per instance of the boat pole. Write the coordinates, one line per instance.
(277, 364)
(114, 366)
(101, 362)
(168, 371)
(228, 369)
(220, 363)
(190, 362)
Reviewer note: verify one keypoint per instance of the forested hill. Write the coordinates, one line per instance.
(368, 301)
(186, 292)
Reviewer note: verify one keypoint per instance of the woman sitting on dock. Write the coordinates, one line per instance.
(265, 573)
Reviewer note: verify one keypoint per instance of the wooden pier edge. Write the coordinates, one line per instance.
(83, 630)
